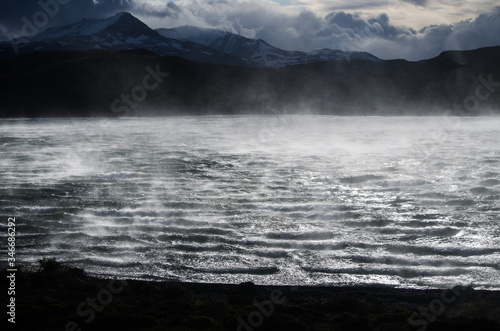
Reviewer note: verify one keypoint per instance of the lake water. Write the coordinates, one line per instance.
(402, 201)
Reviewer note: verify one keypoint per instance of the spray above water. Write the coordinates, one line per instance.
(307, 200)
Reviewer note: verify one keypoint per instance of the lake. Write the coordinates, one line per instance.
(408, 202)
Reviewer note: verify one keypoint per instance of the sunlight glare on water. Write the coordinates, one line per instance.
(402, 201)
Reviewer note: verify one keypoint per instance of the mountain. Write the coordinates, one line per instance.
(258, 52)
(125, 32)
(120, 27)
(120, 32)
(203, 36)
(120, 66)
(142, 83)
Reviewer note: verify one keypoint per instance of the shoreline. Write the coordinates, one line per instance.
(59, 297)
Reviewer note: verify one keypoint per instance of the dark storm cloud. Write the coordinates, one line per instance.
(170, 10)
(469, 34)
(380, 37)
(305, 30)
(354, 6)
(11, 16)
(340, 29)
(417, 2)
(356, 26)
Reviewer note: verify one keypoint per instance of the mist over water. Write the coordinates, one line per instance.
(402, 201)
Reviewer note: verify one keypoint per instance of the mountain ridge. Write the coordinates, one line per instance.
(123, 31)
(258, 50)
(93, 67)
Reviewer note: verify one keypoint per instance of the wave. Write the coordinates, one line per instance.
(37, 210)
(444, 251)
(490, 182)
(377, 223)
(196, 239)
(360, 179)
(402, 272)
(461, 203)
(490, 174)
(240, 270)
(119, 175)
(436, 262)
(402, 183)
(441, 232)
(436, 195)
(274, 254)
(167, 230)
(108, 262)
(314, 246)
(203, 248)
(482, 191)
(138, 212)
(301, 235)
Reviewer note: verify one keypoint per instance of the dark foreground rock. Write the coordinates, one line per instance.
(58, 297)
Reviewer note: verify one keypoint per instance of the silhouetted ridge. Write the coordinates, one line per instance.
(85, 83)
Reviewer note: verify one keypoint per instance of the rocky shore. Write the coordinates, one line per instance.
(54, 296)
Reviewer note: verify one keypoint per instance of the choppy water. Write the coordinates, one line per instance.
(407, 201)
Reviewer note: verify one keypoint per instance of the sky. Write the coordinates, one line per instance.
(407, 29)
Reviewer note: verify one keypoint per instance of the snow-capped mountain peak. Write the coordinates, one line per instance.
(120, 32)
(84, 27)
(203, 36)
(258, 52)
(124, 32)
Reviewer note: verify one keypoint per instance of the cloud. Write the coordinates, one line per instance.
(417, 2)
(480, 32)
(308, 30)
(301, 25)
(11, 15)
(170, 9)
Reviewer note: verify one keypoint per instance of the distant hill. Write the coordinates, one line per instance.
(104, 83)
(258, 53)
(125, 32)
(118, 33)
